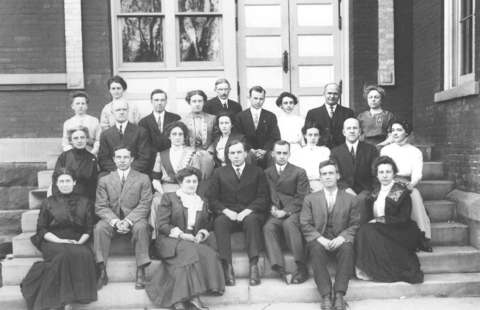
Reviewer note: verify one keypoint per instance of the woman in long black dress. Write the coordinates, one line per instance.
(189, 268)
(67, 273)
(80, 161)
(385, 246)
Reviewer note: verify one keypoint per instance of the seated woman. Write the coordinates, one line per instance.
(67, 273)
(80, 105)
(385, 246)
(225, 125)
(374, 123)
(167, 164)
(200, 130)
(289, 124)
(189, 268)
(310, 156)
(80, 161)
(409, 161)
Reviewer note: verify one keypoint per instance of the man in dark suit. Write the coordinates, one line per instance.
(125, 133)
(123, 202)
(354, 159)
(259, 127)
(329, 221)
(288, 185)
(330, 117)
(155, 124)
(238, 196)
(221, 103)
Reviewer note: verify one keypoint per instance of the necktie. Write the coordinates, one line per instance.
(123, 180)
(255, 121)
(238, 173)
(330, 203)
(160, 123)
(225, 105)
(331, 111)
(352, 153)
(120, 131)
(280, 171)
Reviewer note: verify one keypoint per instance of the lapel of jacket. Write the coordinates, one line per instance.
(337, 208)
(191, 129)
(338, 115)
(131, 178)
(128, 133)
(249, 120)
(359, 153)
(116, 182)
(324, 116)
(218, 104)
(232, 176)
(347, 157)
(321, 210)
(262, 121)
(154, 123)
(246, 173)
(285, 173)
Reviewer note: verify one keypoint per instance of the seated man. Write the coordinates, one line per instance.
(354, 159)
(123, 203)
(123, 133)
(238, 195)
(259, 127)
(329, 221)
(288, 186)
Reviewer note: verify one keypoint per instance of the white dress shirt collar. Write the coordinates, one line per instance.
(123, 172)
(280, 167)
(349, 145)
(124, 125)
(331, 196)
(241, 168)
(255, 112)
(157, 115)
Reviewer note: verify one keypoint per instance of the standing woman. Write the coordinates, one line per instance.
(67, 273)
(310, 156)
(189, 268)
(409, 161)
(290, 125)
(79, 104)
(224, 124)
(385, 246)
(80, 161)
(374, 123)
(167, 164)
(116, 86)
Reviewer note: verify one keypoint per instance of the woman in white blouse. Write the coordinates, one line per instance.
(224, 124)
(290, 125)
(80, 106)
(310, 156)
(409, 160)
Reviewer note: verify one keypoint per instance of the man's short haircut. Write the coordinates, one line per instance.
(235, 142)
(338, 86)
(258, 89)
(119, 101)
(79, 94)
(328, 162)
(158, 91)
(358, 122)
(122, 147)
(281, 142)
(117, 79)
(221, 81)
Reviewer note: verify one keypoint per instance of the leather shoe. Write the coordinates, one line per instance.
(229, 274)
(179, 306)
(103, 279)
(286, 277)
(254, 275)
(326, 302)
(300, 276)
(140, 284)
(338, 303)
(422, 243)
(196, 304)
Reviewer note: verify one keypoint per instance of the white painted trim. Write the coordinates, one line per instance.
(345, 48)
(33, 79)
(460, 91)
(74, 44)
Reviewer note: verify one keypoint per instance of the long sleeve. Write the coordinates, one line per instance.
(341, 183)
(404, 210)
(89, 219)
(214, 193)
(143, 208)
(135, 114)
(353, 222)
(164, 216)
(102, 205)
(307, 225)
(65, 143)
(96, 136)
(417, 167)
(274, 135)
(105, 161)
(303, 189)
(143, 155)
(260, 203)
(44, 219)
(104, 122)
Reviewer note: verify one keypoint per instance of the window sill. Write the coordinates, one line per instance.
(460, 91)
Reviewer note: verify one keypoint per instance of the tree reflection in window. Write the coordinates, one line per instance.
(198, 5)
(199, 38)
(142, 39)
(133, 6)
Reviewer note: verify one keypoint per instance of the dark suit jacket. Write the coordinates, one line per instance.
(214, 106)
(250, 192)
(171, 214)
(267, 132)
(362, 170)
(320, 116)
(313, 218)
(135, 137)
(233, 136)
(288, 190)
(135, 199)
(158, 141)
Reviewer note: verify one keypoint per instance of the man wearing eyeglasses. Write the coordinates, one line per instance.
(221, 103)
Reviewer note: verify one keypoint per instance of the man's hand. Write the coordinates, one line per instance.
(350, 191)
(243, 214)
(230, 214)
(187, 237)
(325, 242)
(279, 214)
(200, 237)
(157, 186)
(335, 243)
(122, 227)
(260, 153)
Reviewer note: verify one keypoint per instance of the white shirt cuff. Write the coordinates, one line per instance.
(175, 233)
(113, 222)
(205, 233)
(129, 222)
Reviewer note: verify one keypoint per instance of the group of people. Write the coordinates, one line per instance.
(318, 185)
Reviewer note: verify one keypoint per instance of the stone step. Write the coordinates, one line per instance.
(36, 197)
(10, 222)
(29, 221)
(45, 178)
(15, 197)
(449, 233)
(440, 210)
(426, 151)
(19, 174)
(433, 171)
(454, 259)
(124, 296)
(435, 190)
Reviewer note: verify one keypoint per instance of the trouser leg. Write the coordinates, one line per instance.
(223, 226)
(293, 236)
(141, 241)
(345, 266)
(102, 235)
(252, 227)
(273, 233)
(318, 257)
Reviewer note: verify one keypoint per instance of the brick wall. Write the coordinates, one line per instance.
(32, 40)
(452, 126)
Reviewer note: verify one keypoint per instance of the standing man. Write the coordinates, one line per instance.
(288, 185)
(123, 133)
(221, 103)
(329, 221)
(330, 117)
(238, 196)
(155, 124)
(123, 202)
(259, 127)
(355, 159)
